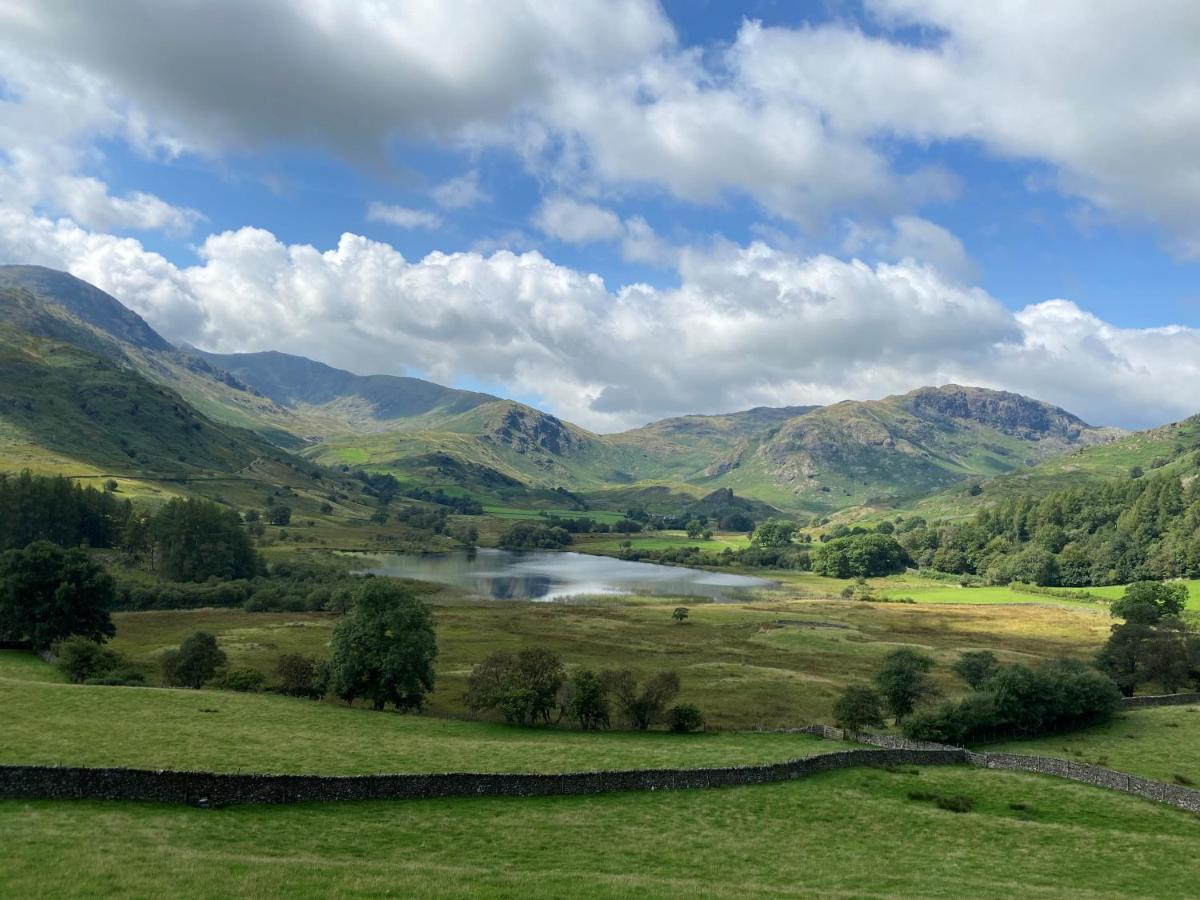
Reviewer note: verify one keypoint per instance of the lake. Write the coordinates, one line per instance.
(544, 575)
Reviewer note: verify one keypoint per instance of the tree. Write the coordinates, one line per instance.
(975, 667)
(1149, 602)
(680, 614)
(48, 593)
(684, 718)
(195, 540)
(859, 707)
(534, 536)
(774, 533)
(859, 556)
(195, 662)
(587, 701)
(282, 515)
(642, 708)
(80, 658)
(384, 649)
(297, 675)
(904, 682)
(523, 687)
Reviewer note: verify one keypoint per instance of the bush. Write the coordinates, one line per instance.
(242, 679)
(82, 659)
(297, 675)
(955, 803)
(195, 662)
(684, 718)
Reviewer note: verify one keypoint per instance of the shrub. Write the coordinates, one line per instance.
(685, 718)
(195, 662)
(242, 679)
(81, 659)
(297, 675)
(955, 803)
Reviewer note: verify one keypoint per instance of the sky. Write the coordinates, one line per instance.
(626, 210)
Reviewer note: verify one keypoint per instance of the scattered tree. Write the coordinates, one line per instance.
(297, 675)
(384, 649)
(48, 593)
(684, 718)
(642, 708)
(859, 707)
(903, 680)
(195, 662)
(523, 687)
(680, 614)
(587, 701)
(975, 667)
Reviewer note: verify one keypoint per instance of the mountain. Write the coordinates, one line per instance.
(802, 459)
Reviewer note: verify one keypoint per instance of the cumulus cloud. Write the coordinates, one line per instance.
(911, 237)
(747, 325)
(402, 216)
(805, 121)
(575, 222)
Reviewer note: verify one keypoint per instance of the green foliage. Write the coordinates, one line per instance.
(645, 706)
(534, 536)
(242, 679)
(82, 659)
(857, 708)
(279, 514)
(859, 556)
(523, 687)
(975, 667)
(587, 701)
(48, 593)
(1018, 698)
(903, 681)
(37, 508)
(680, 614)
(195, 662)
(684, 718)
(774, 533)
(385, 648)
(1149, 602)
(194, 540)
(297, 675)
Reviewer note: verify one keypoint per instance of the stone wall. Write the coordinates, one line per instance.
(1159, 700)
(217, 789)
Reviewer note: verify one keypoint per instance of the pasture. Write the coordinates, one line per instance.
(773, 662)
(848, 833)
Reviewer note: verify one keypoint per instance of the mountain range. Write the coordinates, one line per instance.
(88, 384)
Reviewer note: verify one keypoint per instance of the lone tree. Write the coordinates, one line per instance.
(975, 667)
(680, 615)
(1153, 644)
(903, 680)
(48, 593)
(384, 649)
(859, 707)
(195, 662)
(524, 687)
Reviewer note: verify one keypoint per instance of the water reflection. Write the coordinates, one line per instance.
(501, 575)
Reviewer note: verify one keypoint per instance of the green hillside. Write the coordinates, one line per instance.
(804, 460)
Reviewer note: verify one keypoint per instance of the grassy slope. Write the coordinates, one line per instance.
(851, 833)
(64, 724)
(1156, 743)
(777, 661)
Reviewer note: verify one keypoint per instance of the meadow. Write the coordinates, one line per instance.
(1161, 743)
(776, 661)
(48, 722)
(835, 834)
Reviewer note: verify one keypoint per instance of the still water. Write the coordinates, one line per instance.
(502, 575)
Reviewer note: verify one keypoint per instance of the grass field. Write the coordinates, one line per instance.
(850, 833)
(659, 540)
(52, 724)
(1159, 743)
(775, 662)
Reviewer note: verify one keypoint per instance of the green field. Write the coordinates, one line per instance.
(659, 540)
(1158, 743)
(850, 833)
(775, 661)
(64, 724)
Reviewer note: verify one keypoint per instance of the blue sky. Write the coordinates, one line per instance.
(623, 210)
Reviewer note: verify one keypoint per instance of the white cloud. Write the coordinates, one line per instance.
(402, 216)
(805, 121)
(462, 192)
(911, 237)
(746, 325)
(574, 222)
